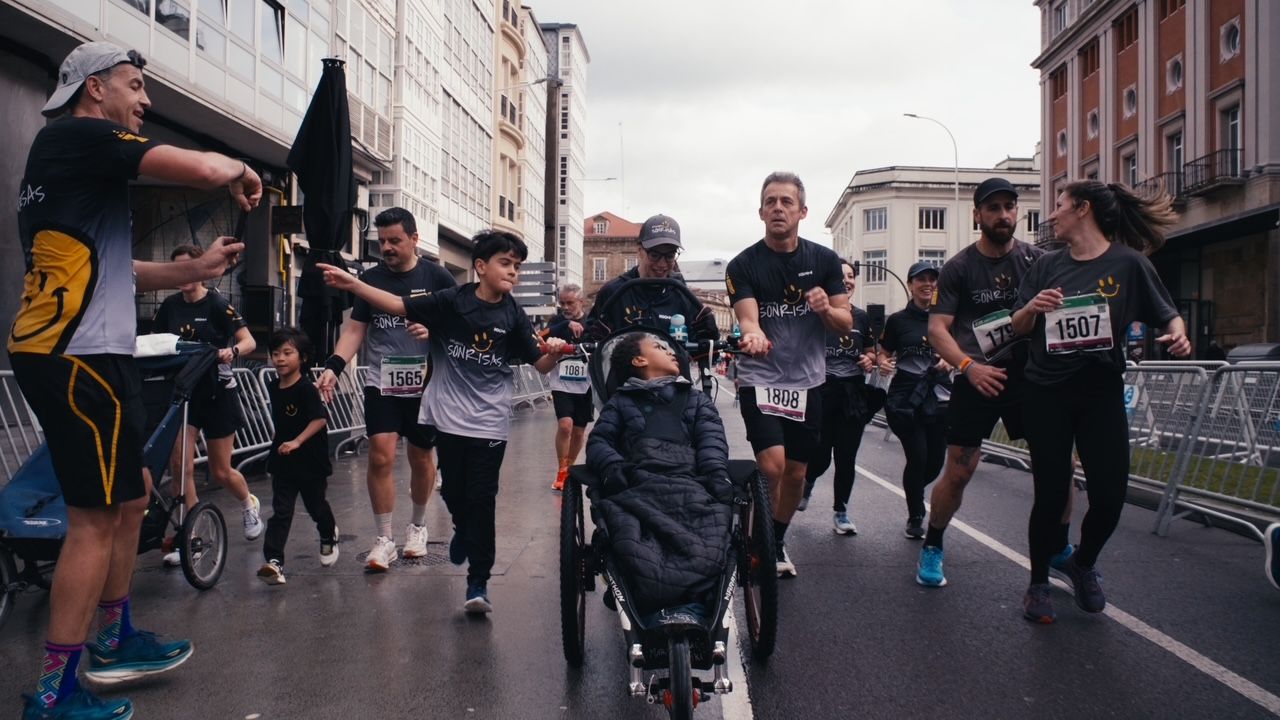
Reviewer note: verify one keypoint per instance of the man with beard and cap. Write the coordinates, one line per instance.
(396, 353)
(970, 327)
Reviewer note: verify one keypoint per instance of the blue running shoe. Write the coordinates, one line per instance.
(457, 549)
(139, 655)
(1059, 562)
(477, 599)
(929, 571)
(79, 705)
(1272, 540)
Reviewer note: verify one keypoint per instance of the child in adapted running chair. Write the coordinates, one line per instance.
(659, 459)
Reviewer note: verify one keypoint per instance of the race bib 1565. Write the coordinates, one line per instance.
(403, 375)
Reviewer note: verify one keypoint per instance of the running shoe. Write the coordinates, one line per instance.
(138, 655)
(382, 554)
(1037, 606)
(477, 599)
(271, 573)
(1086, 583)
(457, 549)
(329, 550)
(415, 541)
(172, 559)
(1272, 542)
(929, 570)
(79, 705)
(843, 525)
(786, 568)
(253, 519)
(1059, 562)
(561, 475)
(915, 528)
(804, 499)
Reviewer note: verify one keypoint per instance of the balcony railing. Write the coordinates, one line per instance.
(1045, 238)
(1173, 183)
(1218, 169)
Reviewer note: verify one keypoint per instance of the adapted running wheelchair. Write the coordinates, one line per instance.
(33, 515)
(669, 650)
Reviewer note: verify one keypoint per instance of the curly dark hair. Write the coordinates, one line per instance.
(624, 351)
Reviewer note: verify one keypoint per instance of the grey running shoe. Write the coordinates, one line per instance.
(915, 528)
(1087, 586)
(1037, 606)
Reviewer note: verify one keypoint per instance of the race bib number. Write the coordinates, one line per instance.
(782, 402)
(1081, 323)
(573, 371)
(404, 375)
(994, 332)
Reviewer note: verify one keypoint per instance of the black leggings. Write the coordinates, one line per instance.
(924, 443)
(469, 469)
(1086, 411)
(285, 490)
(841, 436)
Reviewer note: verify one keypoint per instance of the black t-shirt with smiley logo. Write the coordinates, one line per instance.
(211, 319)
(473, 344)
(1133, 291)
(844, 350)
(292, 410)
(972, 286)
(779, 282)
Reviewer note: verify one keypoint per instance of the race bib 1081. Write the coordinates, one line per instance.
(1080, 323)
(403, 375)
(782, 402)
(574, 371)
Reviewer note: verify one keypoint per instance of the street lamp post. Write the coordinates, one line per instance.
(956, 149)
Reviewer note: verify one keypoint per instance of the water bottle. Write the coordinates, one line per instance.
(679, 333)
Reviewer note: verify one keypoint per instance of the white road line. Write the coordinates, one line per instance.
(1243, 686)
(737, 704)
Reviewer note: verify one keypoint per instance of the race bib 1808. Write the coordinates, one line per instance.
(994, 332)
(574, 371)
(782, 402)
(1080, 323)
(403, 375)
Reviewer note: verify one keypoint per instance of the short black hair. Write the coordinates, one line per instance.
(626, 349)
(491, 242)
(300, 340)
(191, 251)
(396, 216)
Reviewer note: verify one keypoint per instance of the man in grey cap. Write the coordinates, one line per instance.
(71, 347)
(651, 306)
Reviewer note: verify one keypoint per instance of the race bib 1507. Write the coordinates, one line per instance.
(1080, 323)
(782, 402)
(403, 375)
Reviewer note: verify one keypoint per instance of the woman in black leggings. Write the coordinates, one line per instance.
(1075, 304)
(918, 394)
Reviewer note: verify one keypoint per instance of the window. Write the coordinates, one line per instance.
(933, 218)
(873, 264)
(1058, 82)
(1229, 46)
(175, 16)
(272, 33)
(1089, 59)
(1173, 74)
(1127, 30)
(1173, 151)
(599, 269)
(1229, 121)
(1130, 101)
(1060, 17)
(875, 219)
(1092, 123)
(1129, 169)
(1062, 142)
(601, 227)
(1033, 220)
(628, 263)
(1169, 7)
(1091, 171)
(934, 257)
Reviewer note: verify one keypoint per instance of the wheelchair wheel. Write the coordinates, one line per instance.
(679, 699)
(760, 576)
(8, 584)
(203, 546)
(573, 565)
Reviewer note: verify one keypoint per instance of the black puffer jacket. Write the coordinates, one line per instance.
(663, 493)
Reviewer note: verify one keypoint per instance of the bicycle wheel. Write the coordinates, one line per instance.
(760, 576)
(573, 594)
(203, 546)
(680, 676)
(8, 584)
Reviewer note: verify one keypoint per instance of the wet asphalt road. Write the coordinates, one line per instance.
(857, 638)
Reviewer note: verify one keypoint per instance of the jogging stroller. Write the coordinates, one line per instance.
(33, 515)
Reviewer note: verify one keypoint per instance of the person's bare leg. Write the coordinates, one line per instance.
(80, 577)
(790, 490)
(577, 438)
(564, 431)
(219, 459)
(948, 491)
(124, 549)
(422, 474)
(382, 487)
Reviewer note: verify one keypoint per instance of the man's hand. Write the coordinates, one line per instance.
(867, 362)
(986, 379)
(1176, 343)
(326, 384)
(226, 356)
(942, 366)
(554, 346)
(287, 447)
(247, 189)
(223, 253)
(337, 277)
(754, 344)
(888, 365)
(417, 331)
(818, 301)
(576, 328)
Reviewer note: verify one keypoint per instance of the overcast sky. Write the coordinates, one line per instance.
(693, 102)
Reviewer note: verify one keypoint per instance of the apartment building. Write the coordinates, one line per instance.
(531, 206)
(566, 147)
(1178, 96)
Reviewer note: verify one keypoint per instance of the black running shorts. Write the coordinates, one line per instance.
(799, 440)
(972, 416)
(390, 414)
(217, 414)
(91, 409)
(573, 405)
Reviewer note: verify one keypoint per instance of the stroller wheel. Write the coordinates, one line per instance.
(8, 584)
(760, 579)
(573, 568)
(679, 699)
(203, 546)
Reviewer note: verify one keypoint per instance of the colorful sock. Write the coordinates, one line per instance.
(383, 521)
(779, 531)
(58, 673)
(933, 536)
(419, 515)
(117, 624)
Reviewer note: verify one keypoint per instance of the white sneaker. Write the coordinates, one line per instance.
(415, 543)
(786, 568)
(843, 525)
(382, 554)
(172, 559)
(329, 550)
(253, 519)
(271, 573)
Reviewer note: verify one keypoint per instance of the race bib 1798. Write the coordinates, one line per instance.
(1080, 323)
(994, 332)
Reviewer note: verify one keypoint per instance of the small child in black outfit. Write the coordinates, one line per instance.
(299, 459)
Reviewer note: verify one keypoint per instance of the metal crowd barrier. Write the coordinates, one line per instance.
(345, 411)
(20, 432)
(531, 387)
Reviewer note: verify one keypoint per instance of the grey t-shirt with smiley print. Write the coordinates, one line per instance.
(972, 286)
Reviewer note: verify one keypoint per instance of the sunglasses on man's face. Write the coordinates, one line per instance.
(655, 256)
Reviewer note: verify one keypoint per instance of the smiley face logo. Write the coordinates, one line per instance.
(1003, 281)
(846, 342)
(1108, 288)
(633, 315)
(187, 331)
(792, 295)
(290, 409)
(482, 342)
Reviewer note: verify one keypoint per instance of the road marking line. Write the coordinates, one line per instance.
(737, 704)
(1241, 685)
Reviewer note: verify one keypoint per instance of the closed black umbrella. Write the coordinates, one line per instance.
(321, 158)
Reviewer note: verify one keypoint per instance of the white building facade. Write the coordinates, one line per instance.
(530, 190)
(568, 107)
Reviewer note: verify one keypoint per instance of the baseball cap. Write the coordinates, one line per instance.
(85, 60)
(990, 187)
(660, 230)
(921, 266)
